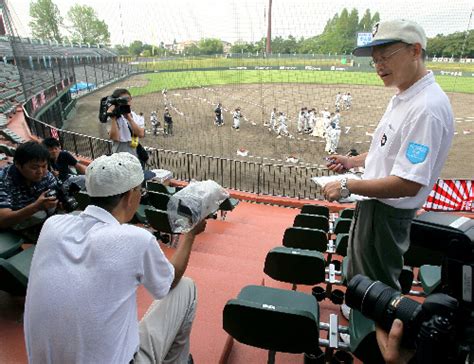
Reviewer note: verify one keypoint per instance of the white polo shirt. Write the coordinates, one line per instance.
(412, 140)
(124, 130)
(81, 304)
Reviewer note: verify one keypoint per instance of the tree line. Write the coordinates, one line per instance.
(83, 25)
(338, 37)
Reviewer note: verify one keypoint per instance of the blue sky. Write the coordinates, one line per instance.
(153, 21)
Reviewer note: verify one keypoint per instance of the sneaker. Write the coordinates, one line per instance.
(346, 311)
(279, 136)
(346, 338)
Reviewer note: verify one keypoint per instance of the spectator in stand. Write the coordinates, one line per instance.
(23, 186)
(87, 268)
(63, 165)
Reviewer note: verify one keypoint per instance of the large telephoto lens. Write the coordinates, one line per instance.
(383, 304)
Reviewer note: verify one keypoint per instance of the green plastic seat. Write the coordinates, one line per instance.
(158, 220)
(305, 238)
(159, 187)
(273, 319)
(140, 213)
(296, 266)
(315, 210)
(342, 240)
(347, 213)
(312, 222)
(158, 200)
(228, 204)
(344, 268)
(342, 226)
(430, 277)
(14, 272)
(10, 244)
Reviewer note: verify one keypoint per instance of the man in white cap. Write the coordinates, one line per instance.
(81, 304)
(408, 151)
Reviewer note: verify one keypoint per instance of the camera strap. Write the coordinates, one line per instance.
(134, 142)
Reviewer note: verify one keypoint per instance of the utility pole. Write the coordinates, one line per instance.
(269, 29)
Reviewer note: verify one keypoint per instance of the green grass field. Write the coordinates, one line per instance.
(287, 60)
(187, 79)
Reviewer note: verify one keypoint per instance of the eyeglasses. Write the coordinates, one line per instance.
(384, 59)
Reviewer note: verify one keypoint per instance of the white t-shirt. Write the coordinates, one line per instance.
(81, 304)
(124, 130)
(412, 140)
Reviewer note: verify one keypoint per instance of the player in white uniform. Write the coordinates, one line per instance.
(348, 101)
(273, 120)
(301, 120)
(236, 119)
(337, 104)
(282, 127)
(154, 122)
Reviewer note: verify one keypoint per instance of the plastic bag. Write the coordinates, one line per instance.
(186, 208)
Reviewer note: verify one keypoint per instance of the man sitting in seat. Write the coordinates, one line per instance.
(81, 304)
(24, 204)
(63, 165)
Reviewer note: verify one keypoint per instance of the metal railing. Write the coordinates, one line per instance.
(247, 176)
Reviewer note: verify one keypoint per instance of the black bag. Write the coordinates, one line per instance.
(142, 154)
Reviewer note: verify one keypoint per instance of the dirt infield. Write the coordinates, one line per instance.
(194, 130)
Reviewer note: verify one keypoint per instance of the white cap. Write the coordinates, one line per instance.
(393, 31)
(113, 175)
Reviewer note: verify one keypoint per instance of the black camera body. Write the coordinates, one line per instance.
(68, 202)
(442, 328)
(121, 107)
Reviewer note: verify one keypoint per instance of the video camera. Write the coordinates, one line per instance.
(63, 195)
(121, 107)
(441, 329)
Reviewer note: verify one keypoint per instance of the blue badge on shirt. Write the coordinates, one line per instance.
(416, 153)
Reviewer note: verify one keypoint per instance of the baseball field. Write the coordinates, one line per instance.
(193, 95)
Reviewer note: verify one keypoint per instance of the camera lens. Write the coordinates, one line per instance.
(383, 304)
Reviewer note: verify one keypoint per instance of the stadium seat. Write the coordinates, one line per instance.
(12, 136)
(158, 220)
(9, 151)
(159, 187)
(296, 266)
(347, 214)
(430, 277)
(140, 216)
(273, 319)
(342, 226)
(228, 205)
(315, 210)
(305, 238)
(312, 222)
(341, 244)
(14, 272)
(10, 244)
(158, 200)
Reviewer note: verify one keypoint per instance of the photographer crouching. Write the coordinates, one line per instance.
(24, 191)
(81, 304)
(126, 127)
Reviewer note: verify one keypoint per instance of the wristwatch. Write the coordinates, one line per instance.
(345, 193)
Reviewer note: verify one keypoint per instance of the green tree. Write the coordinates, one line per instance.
(86, 26)
(210, 46)
(136, 48)
(121, 50)
(46, 20)
(365, 24)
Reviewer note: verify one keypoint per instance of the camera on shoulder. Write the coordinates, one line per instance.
(121, 107)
